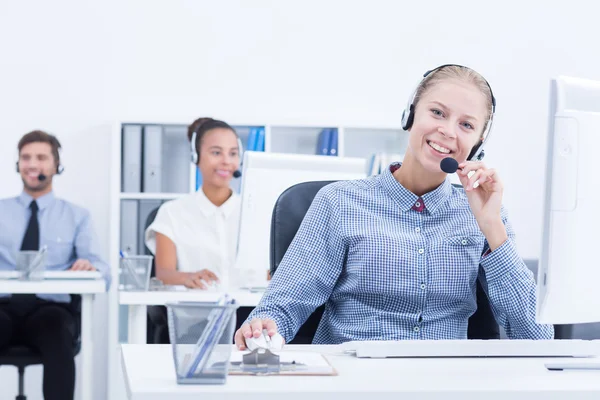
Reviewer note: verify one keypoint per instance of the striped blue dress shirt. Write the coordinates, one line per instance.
(65, 229)
(389, 265)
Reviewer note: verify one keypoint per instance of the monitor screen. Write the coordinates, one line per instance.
(569, 270)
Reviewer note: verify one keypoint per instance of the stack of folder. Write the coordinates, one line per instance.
(256, 139)
(134, 215)
(327, 142)
(154, 159)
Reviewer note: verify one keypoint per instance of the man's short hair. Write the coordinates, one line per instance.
(42, 137)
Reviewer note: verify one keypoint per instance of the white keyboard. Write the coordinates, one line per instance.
(56, 275)
(473, 348)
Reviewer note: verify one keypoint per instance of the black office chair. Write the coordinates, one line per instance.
(22, 356)
(157, 331)
(288, 213)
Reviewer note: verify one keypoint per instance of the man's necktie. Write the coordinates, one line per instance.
(31, 241)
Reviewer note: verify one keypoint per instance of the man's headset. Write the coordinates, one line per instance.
(408, 115)
(41, 176)
(196, 157)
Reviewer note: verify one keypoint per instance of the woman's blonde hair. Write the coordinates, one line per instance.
(460, 73)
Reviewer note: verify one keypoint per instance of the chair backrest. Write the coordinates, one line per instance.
(288, 213)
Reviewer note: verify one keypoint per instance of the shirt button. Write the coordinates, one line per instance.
(417, 230)
(416, 329)
(421, 251)
(417, 204)
(464, 242)
(423, 286)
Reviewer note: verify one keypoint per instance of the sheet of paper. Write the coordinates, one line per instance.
(310, 359)
(311, 363)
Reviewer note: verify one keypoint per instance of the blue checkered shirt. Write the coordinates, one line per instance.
(390, 265)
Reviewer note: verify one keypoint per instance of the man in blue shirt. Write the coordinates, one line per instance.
(31, 221)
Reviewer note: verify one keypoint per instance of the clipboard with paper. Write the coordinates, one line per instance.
(264, 362)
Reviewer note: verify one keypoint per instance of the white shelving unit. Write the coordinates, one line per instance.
(149, 196)
(178, 177)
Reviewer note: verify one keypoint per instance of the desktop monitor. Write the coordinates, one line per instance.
(569, 270)
(265, 177)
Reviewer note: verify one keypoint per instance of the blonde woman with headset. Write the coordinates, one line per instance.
(398, 255)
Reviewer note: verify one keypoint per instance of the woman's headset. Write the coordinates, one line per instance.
(196, 157)
(408, 115)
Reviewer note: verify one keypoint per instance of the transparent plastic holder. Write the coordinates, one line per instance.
(201, 337)
(134, 273)
(31, 264)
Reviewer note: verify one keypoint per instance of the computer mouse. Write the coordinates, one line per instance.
(212, 286)
(265, 341)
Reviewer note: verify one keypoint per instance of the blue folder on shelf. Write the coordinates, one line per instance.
(327, 142)
(252, 139)
(198, 178)
(260, 143)
(323, 142)
(333, 143)
(256, 139)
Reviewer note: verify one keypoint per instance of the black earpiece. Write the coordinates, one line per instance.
(196, 157)
(59, 170)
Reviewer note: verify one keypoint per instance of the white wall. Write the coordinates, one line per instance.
(74, 67)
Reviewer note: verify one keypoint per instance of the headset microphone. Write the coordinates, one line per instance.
(237, 173)
(449, 165)
(41, 177)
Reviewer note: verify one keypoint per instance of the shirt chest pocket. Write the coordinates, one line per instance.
(467, 248)
(465, 240)
(61, 249)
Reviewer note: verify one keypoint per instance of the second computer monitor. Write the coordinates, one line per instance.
(265, 176)
(569, 270)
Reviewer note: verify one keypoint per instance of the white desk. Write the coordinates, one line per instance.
(138, 301)
(87, 288)
(149, 375)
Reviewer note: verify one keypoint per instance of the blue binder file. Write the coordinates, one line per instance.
(198, 178)
(323, 142)
(260, 143)
(252, 139)
(333, 142)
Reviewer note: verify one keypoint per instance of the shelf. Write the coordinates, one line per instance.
(295, 140)
(364, 142)
(150, 196)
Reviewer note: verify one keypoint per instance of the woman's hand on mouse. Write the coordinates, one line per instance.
(254, 329)
(200, 279)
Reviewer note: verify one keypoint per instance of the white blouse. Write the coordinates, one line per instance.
(204, 235)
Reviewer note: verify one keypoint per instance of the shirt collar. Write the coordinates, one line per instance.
(407, 199)
(209, 209)
(42, 202)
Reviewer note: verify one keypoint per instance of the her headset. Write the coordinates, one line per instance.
(408, 115)
(196, 157)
